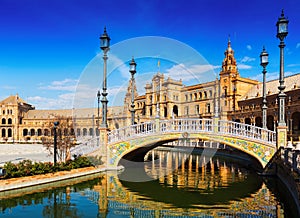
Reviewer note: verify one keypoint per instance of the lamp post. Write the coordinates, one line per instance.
(104, 45)
(56, 123)
(132, 70)
(264, 62)
(98, 119)
(282, 31)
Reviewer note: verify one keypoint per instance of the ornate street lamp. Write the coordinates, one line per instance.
(98, 97)
(282, 31)
(104, 45)
(264, 62)
(132, 70)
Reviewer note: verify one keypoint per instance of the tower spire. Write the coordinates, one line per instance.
(229, 42)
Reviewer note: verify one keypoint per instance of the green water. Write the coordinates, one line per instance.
(219, 188)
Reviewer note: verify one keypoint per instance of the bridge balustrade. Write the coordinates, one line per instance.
(291, 157)
(193, 125)
(128, 132)
(246, 130)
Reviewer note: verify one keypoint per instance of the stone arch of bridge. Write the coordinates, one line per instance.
(141, 145)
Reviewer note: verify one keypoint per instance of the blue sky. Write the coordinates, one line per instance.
(45, 46)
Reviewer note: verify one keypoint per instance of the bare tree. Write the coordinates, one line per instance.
(66, 138)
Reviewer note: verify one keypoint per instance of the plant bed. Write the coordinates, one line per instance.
(28, 168)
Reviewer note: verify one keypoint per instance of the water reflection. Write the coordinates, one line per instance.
(220, 188)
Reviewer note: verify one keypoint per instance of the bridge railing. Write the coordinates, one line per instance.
(246, 130)
(132, 131)
(186, 125)
(193, 125)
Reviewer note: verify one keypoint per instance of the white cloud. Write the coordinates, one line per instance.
(63, 101)
(271, 76)
(203, 73)
(249, 47)
(244, 66)
(63, 85)
(293, 65)
(7, 87)
(247, 59)
(298, 45)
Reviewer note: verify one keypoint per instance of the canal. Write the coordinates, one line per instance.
(178, 185)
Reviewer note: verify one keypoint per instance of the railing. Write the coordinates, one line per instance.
(247, 131)
(291, 157)
(193, 126)
(86, 146)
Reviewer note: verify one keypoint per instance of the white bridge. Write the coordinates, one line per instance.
(256, 141)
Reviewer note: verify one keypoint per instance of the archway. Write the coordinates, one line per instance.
(270, 122)
(3, 133)
(46, 132)
(25, 132)
(84, 132)
(9, 132)
(248, 121)
(296, 125)
(175, 111)
(165, 112)
(258, 121)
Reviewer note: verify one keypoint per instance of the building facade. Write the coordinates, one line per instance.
(230, 97)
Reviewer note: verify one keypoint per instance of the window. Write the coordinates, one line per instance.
(208, 108)
(186, 110)
(225, 91)
(197, 109)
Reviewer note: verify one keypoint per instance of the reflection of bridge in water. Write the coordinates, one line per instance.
(215, 189)
(255, 141)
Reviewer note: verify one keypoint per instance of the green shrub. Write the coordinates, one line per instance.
(27, 168)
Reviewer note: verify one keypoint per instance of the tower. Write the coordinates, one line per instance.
(228, 78)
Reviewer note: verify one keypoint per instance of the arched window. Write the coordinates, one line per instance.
(84, 132)
(39, 132)
(208, 108)
(3, 133)
(91, 131)
(32, 132)
(9, 132)
(9, 121)
(78, 132)
(46, 132)
(3, 121)
(25, 132)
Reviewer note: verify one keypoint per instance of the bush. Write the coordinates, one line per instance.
(27, 168)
